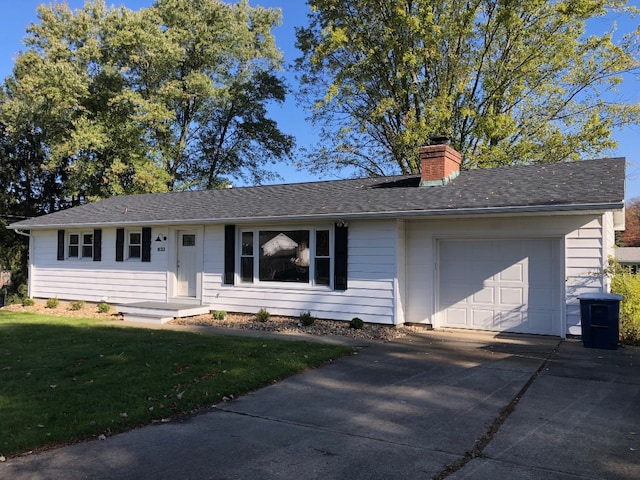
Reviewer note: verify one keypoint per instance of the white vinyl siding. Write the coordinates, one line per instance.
(370, 292)
(116, 282)
(392, 268)
(586, 255)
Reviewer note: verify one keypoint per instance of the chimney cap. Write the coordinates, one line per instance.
(439, 140)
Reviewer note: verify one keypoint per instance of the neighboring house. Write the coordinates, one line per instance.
(629, 257)
(507, 249)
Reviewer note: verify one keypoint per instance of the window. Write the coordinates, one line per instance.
(87, 245)
(322, 258)
(135, 245)
(80, 245)
(286, 256)
(188, 240)
(74, 245)
(246, 257)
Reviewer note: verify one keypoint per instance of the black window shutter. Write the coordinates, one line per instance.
(120, 245)
(97, 245)
(340, 252)
(60, 244)
(146, 244)
(229, 254)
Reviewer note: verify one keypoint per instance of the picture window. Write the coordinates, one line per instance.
(286, 256)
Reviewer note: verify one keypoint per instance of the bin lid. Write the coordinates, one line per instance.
(600, 296)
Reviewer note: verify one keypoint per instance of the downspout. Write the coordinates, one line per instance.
(24, 234)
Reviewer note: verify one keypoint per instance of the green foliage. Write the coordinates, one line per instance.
(66, 379)
(52, 302)
(77, 305)
(107, 101)
(263, 315)
(627, 284)
(28, 302)
(508, 82)
(219, 315)
(103, 307)
(14, 299)
(306, 319)
(356, 323)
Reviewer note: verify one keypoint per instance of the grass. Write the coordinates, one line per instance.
(64, 380)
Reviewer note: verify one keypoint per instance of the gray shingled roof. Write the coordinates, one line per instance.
(585, 185)
(628, 254)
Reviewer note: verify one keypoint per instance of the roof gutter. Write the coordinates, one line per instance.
(502, 211)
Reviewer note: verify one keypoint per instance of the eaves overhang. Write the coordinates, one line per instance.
(564, 209)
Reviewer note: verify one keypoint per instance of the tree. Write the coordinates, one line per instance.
(206, 71)
(509, 82)
(630, 237)
(113, 101)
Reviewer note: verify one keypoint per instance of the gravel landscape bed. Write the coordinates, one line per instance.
(292, 325)
(275, 323)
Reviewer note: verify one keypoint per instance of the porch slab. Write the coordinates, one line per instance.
(159, 312)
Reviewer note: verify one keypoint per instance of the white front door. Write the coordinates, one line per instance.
(186, 273)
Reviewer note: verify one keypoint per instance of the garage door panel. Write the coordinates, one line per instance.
(455, 273)
(456, 317)
(505, 285)
(513, 321)
(542, 270)
(514, 273)
(511, 296)
(543, 298)
(483, 319)
(486, 295)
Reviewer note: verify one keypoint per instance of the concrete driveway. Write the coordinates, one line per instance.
(532, 407)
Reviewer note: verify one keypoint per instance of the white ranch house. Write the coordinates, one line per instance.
(507, 249)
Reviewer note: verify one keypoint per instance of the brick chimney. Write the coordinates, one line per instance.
(439, 163)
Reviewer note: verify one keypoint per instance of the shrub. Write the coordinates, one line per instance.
(219, 315)
(627, 284)
(306, 319)
(14, 299)
(356, 323)
(53, 302)
(23, 290)
(104, 307)
(28, 302)
(263, 315)
(77, 305)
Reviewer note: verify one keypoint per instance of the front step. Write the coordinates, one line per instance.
(159, 312)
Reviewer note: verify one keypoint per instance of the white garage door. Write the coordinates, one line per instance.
(500, 285)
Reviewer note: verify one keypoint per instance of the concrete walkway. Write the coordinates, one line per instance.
(411, 408)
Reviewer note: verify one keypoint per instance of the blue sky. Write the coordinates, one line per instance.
(17, 15)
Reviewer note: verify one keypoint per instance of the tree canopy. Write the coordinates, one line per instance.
(630, 237)
(106, 101)
(509, 82)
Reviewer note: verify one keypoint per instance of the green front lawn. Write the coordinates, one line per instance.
(64, 380)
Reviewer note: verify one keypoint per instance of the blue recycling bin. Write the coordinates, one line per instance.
(600, 320)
